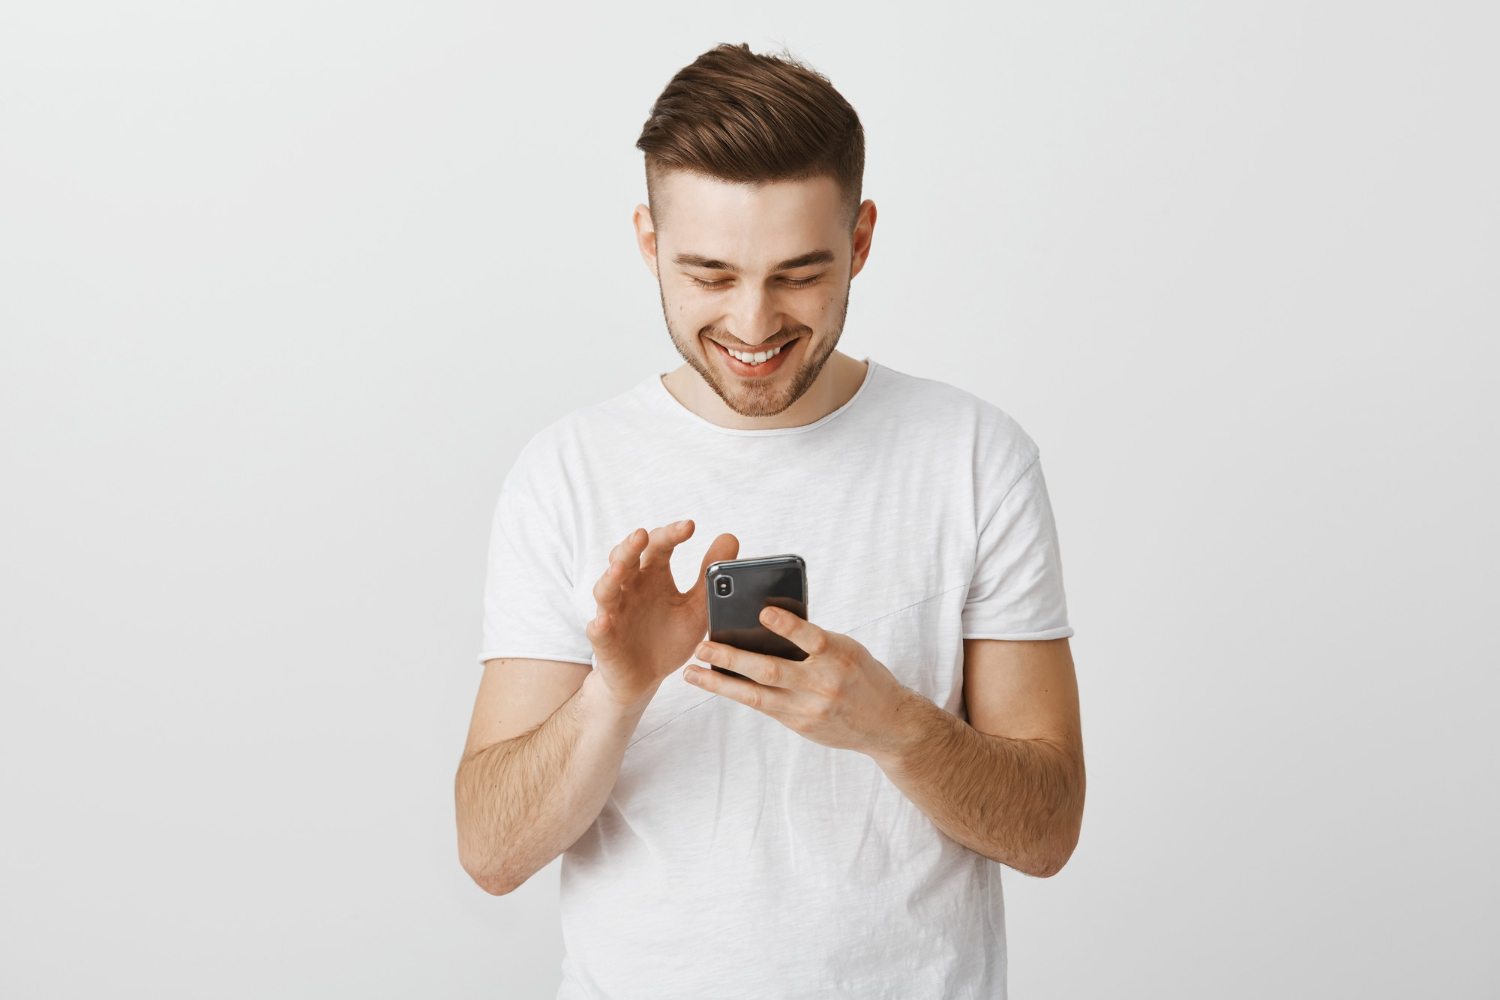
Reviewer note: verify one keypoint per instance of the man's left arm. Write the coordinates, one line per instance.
(1009, 783)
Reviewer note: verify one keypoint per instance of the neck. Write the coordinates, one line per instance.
(837, 382)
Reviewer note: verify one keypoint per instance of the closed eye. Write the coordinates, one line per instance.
(791, 282)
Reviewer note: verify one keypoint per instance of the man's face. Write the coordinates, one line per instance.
(753, 268)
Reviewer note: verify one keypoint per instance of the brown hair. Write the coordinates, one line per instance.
(742, 117)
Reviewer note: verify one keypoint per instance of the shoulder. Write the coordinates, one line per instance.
(563, 444)
(991, 433)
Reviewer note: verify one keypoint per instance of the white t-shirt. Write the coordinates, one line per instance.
(735, 857)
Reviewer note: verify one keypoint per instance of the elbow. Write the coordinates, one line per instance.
(1041, 861)
(1047, 862)
(482, 856)
(492, 879)
(1041, 865)
(1050, 866)
(499, 886)
(1053, 861)
(497, 867)
(1064, 840)
(486, 867)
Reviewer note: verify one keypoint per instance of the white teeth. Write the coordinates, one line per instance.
(755, 359)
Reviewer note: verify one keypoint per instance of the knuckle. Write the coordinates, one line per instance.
(833, 683)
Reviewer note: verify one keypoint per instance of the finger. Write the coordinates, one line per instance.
(661, 541)
(771, 701)
(725, 546)
(803, 634)
(620, 551)
(597, 628)
(770, 671)
(610, 584)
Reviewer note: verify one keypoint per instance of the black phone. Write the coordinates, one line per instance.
(738, 590)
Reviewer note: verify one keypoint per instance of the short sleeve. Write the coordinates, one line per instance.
(1016, 591)
(529, 611)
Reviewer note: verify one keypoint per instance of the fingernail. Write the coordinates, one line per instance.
(680, 524)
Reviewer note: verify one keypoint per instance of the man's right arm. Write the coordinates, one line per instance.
(547, 737)
(526, 790)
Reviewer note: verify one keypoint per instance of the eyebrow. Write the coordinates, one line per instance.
(806, 260)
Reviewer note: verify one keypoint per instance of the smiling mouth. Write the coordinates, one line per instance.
(775, 347)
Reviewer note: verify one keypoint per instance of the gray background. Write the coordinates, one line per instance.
(285, 286)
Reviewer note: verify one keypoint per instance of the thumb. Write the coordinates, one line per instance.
(725, 546)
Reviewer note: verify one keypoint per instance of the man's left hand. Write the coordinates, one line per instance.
(840, 696)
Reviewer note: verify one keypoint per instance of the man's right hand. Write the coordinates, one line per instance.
(645, 628)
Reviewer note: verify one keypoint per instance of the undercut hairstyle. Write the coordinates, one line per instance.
(740, 117)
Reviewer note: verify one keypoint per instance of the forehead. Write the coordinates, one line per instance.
(749, 223)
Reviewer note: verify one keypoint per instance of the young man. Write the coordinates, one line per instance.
(832, 826)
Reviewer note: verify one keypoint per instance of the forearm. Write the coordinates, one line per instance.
(1019, 802)
(525, 800)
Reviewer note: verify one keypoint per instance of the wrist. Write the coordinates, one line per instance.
(911, 723)
(598, 690)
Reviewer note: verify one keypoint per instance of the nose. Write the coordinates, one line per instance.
(754, 315)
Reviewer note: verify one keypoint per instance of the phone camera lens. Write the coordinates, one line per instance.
(722, 586)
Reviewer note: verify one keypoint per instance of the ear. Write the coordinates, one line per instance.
(864, 234)
(645, 236)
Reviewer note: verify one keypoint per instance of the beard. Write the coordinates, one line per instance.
(749, 399)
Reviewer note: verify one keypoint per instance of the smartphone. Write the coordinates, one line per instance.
(738, 589)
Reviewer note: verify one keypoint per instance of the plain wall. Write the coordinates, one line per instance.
(285, 286)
